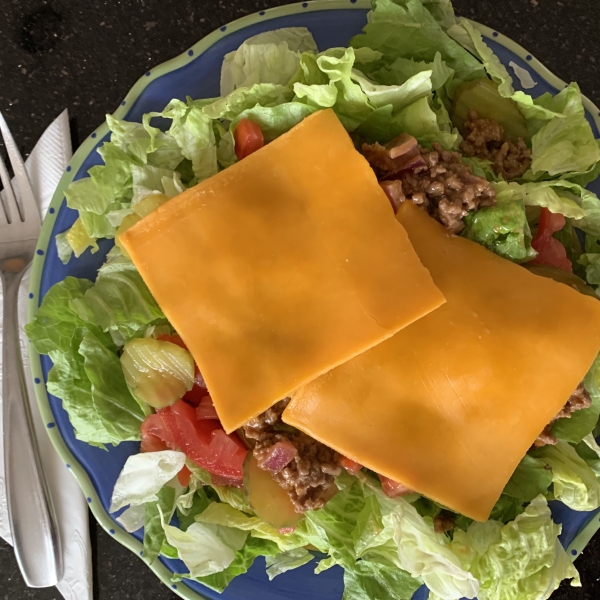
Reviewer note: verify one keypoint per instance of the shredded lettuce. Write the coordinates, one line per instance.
(143, 476)
(503, 228)
(205, 548)
(521, 560)
(575, 484)
(271, 57)
(530, 479)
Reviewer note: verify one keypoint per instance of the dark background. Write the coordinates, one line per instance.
(85, 55)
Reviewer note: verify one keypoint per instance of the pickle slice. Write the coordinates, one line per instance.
(269, 500)
(157, 372)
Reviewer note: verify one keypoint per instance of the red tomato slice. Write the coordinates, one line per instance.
(248, 138)
(184, 476)
(392, 488)
(198, 391)
(155, 435)
(206, 409)
(351, 465)
(550, 250)
(204, 441)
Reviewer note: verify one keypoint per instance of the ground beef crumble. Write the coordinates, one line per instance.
(444, 522)
(309, 476)
(484, 138)
(436, 180)
(579, 400)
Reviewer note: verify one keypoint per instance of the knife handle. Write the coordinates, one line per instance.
(31, 515)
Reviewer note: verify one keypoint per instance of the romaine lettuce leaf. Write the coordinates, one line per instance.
(154, 534)
(275, 120)
(132, 518)
(55, 322)
(119, 301)
(90, 383)
(589, 450)
(566, 144)
(575, 484)
(205, 548)
(143, 476)
(582, 422)
(522, 560)
(402, 69)
(219, 513)
(194, 133)
(470, 38)
(421, 121)
(286, 561)
(407, 29)
(243, 560)
(530, 479)
(392, 532)
(270, 57)
(502, 228)
(375, 580)
(148, 144)
(242, 98)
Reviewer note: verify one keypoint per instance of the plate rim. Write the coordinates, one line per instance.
(87, 147)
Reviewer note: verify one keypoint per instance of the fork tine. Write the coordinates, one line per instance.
(9, 202)
(28, 206)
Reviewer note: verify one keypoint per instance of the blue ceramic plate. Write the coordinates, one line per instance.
(196, 73)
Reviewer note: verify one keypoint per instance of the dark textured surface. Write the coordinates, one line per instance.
(86, 54)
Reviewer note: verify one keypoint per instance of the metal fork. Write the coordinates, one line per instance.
(31, 514)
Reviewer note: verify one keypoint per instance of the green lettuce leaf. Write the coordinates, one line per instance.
(374, 580)
(470, 38)
(582, 422)
(421, 121)
(530, 479)
(276, 120)
(589, 450)
(523, 560)
(392, 532)
(147, 144)
(507, 509)
(242, 98)
(565, 144)
(591, 264)
(270, 57)
(119, 301)
(575, 484)
(242, 561)
(402, 69)
(223, 514)
(287, 561)
(154, 534)
(205, 548)
(91, 385)
(407, 29)
(143, 476)
(503, 229)
(194, 134)
(55, 322)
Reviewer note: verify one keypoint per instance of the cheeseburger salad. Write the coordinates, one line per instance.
(435, 113)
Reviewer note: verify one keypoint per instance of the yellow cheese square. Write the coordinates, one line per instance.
(451, 404)
(281, 267)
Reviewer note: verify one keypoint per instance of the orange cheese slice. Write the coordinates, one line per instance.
(450, 405)
(281, 267)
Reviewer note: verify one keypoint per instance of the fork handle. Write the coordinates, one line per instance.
(31, 514)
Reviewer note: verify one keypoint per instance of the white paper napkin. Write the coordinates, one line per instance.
(45, 166)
